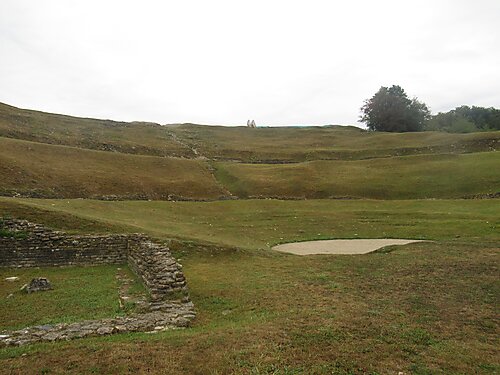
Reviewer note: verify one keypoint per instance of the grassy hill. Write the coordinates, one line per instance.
(105, 135)
(295, 144)
(409, 177)
(51, 171)
(283, 144)
(36, 169)
(57, 156)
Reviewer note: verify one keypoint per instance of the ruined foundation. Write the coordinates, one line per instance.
(32, 245)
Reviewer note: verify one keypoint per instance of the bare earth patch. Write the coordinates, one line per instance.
(339, 247)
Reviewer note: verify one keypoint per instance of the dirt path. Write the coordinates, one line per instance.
(176, 139)
(343, 247)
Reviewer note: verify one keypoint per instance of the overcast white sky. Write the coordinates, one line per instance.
(222, 62)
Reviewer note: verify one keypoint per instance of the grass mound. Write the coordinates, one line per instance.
(295, 144)
(35, 169)
(104, 135)
(279, 144)
(411, 177)
(54, 156)
(49, 171)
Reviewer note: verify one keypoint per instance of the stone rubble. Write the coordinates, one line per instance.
(169, 305)
(38, 284)
(178, 315)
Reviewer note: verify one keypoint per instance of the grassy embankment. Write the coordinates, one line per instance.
(422, 308)
(105, 135)
(50, 171)
(35, 161)
(295, 144)
(36, 169)
(254, 224)
(232, 143)
(409, 177)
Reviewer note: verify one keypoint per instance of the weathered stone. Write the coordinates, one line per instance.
(38, 284)
(170, 306)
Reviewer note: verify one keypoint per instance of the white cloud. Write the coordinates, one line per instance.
(222, 62)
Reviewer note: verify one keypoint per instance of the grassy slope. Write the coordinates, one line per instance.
(134, 138)
(240, 143)
(58, 220)
(34, 169)
(426, 176)
(59, 171)
(263, 223)
(37, 169)
(313, 143)
(422, 308)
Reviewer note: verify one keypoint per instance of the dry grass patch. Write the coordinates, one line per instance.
(36, 169)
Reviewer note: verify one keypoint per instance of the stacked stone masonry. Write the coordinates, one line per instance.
(36, 246)
(39, 247)
(161, 274)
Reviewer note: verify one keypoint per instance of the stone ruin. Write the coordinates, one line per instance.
(38, 284)
(169, 305)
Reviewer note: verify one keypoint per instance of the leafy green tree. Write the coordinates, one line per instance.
(391, 110)
(465, 119)
(450, 122)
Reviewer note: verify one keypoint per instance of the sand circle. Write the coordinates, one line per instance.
(340, 247)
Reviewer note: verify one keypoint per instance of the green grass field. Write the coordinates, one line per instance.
(259, 224)
(423, 308)
(78, 293)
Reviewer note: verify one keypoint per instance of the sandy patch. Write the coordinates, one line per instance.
(344, 247)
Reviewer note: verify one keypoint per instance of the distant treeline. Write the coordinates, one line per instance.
(465, 119)
(391, 110)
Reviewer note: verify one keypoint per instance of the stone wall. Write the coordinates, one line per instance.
(25, 244)
(33, 245)
(159, 271)
(178, 316)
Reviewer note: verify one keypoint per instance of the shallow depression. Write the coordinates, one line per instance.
(340, 247)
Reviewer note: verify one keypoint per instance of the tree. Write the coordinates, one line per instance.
(391, 110)
(465, 119)
(451, 122)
